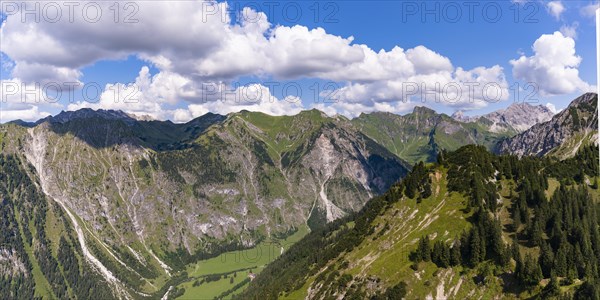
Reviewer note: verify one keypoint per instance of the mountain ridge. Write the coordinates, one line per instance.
(147, 199)
(517, 117)
(437, 235)
(575, 126)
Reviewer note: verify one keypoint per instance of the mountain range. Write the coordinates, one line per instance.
(517, 117)
(135, 202)
(563, 135)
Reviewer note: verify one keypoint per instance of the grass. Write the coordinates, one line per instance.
(569, 147)
(385, 253)
(291, 127)
(553, 184)
(212, 289)
(239, 262)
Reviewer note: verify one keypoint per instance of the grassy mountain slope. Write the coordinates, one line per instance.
(476, 243)
(420, 135)
(150, 198)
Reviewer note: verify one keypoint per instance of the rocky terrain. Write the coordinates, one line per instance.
(147, 197)
(563, 135)
(136, 201)
(516, 118)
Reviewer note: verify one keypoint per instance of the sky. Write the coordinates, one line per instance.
(178, 60)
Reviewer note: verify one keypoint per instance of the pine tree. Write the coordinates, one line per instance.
(528, 272)
(552, 289)
(546, 259)
(475, 248)
(423, 252)
(535, 232)
(455, 256)
(441, 254)
(516, 219)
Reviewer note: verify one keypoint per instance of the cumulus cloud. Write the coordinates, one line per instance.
(552, 108)
(461, 89)
(20, 100)
(195, 42)
(29, 113)
(153, 95)
(158, 29)
(555, 8)
(552, 67)
(204, 44)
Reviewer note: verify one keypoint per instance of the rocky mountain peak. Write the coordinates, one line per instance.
(521, 116)
(460, 116)
(562, 135)
(517, 117)
(422, 110)
(589, 98)
(87, 113)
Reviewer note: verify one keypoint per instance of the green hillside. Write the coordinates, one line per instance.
(420, 135)
(151, 199)
(473, 225)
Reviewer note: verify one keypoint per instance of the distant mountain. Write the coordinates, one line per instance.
(150, 197)
(420, 135)
(22, 123)
(137, 201)
(88, 113)
(516, 118)
(561, 136)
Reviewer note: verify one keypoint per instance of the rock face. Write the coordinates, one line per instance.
(421, 134)
(159, 194)
(517, 118)
(563, 135)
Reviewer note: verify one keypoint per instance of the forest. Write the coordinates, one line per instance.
(564, 227)
(24, 233)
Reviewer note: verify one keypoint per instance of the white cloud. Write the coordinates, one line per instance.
(146, 96)
(19, 100)
(45, 74)
(463, 89)
(552, 108)
(187, 39)
(352, 110)
(152, 95)
(553, 66)
(589, 10)
(177, 30)
(570, 30)
(30, 113)
(426, 61)
(555, 8)
(195, 41)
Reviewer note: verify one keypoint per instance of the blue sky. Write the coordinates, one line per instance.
(435, 46)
